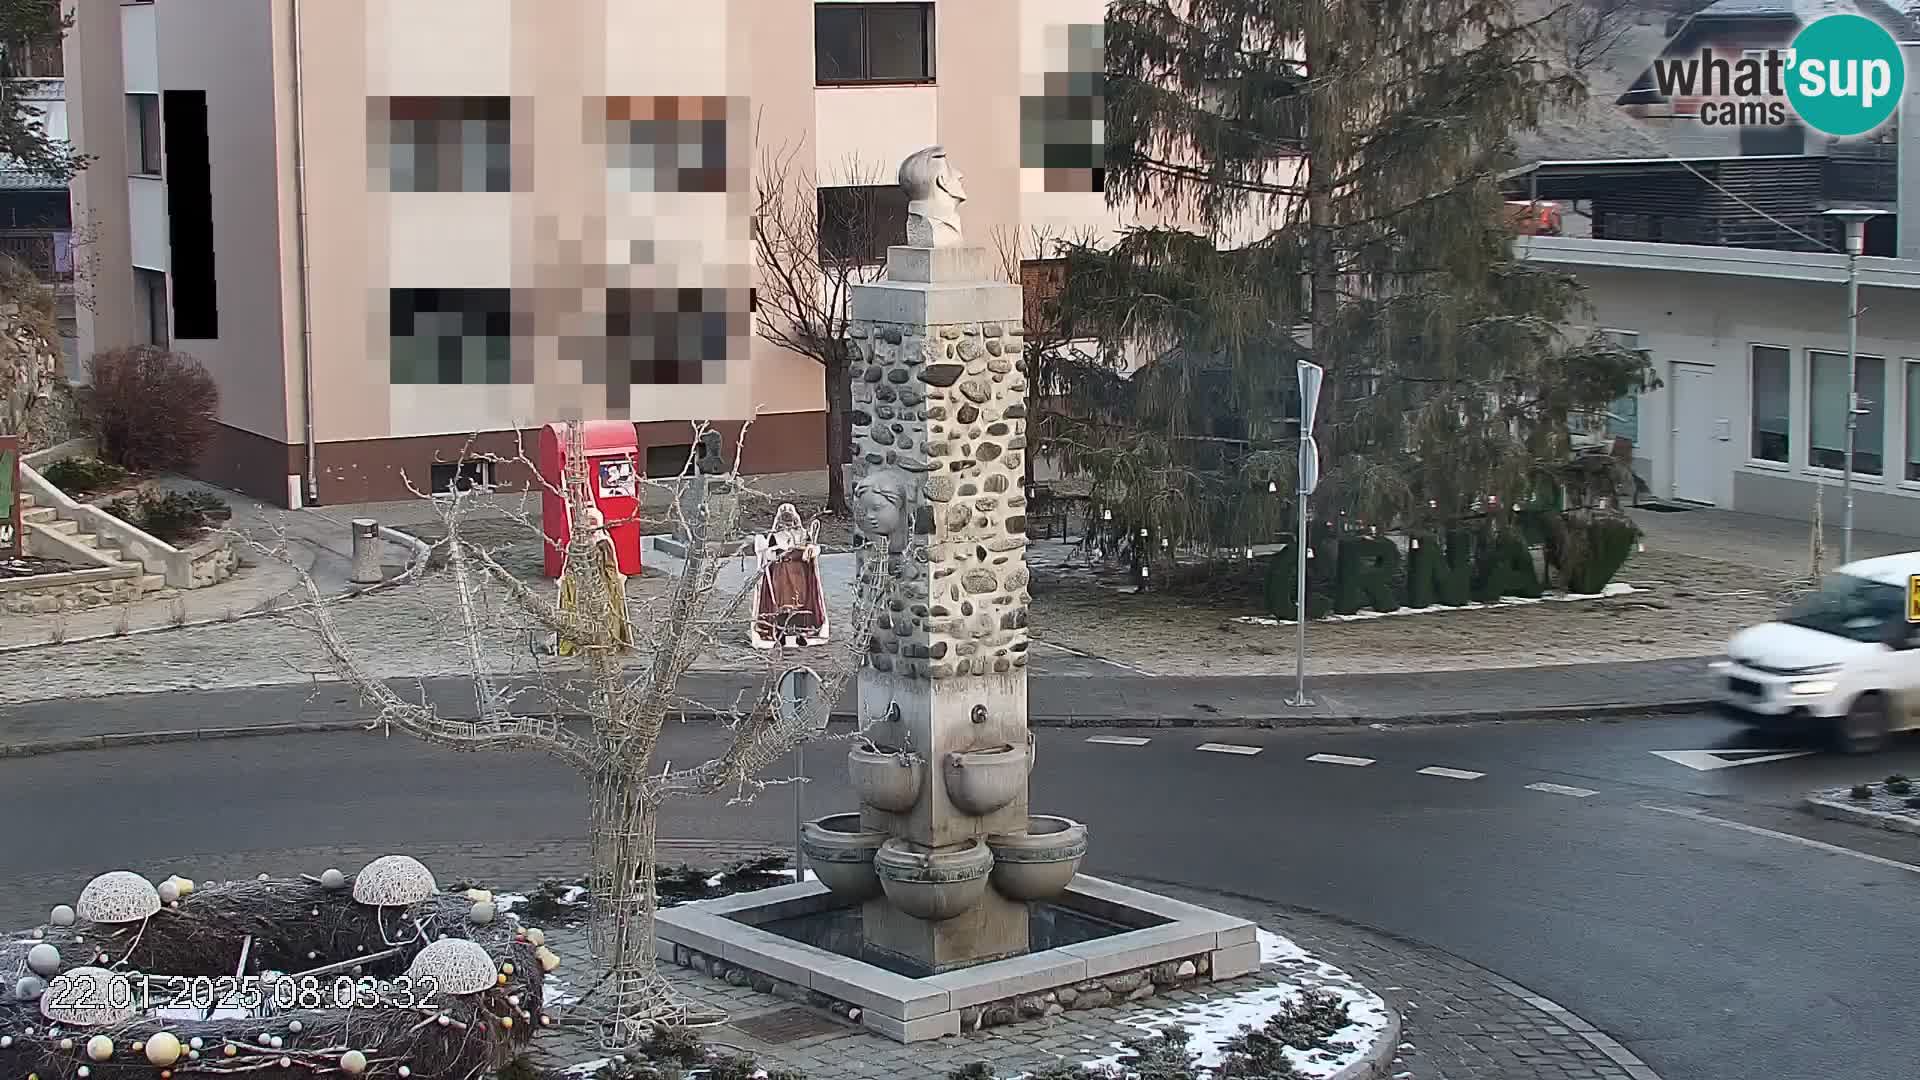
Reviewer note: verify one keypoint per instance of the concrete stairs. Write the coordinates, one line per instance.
(65, 536)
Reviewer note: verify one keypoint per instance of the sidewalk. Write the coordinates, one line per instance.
(319, 542)
(1119, 700)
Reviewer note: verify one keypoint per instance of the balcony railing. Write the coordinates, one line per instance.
(48, 254)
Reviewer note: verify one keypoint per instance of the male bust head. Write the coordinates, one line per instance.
(934, 193)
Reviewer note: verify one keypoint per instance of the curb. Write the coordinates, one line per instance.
(1599, 1040)
(1378, 1060)
(39, 747)
(1834, 810)
(419, 548)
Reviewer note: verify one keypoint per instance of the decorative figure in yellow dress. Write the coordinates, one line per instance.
(606, 564)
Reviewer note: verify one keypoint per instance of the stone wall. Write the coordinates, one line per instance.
(25, 596)
(939, 435)
(214, 561)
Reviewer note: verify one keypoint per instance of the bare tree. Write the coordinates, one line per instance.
(622, 664)
(30, 383)
(1588, 31)
(806, 283)
(1035, 260)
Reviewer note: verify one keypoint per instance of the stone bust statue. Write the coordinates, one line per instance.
(934, 194)
(883, 508)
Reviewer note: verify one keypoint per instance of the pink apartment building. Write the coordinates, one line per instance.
(387, 225)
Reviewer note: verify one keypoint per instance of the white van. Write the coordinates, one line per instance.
(1846, 657)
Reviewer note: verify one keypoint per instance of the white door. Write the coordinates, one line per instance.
(1690, 405)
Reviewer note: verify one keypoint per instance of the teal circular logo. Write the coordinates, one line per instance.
(1847, 75)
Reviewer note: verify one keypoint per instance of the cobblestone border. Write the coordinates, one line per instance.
(415, 563)
(1599, 1040)
(1842, 807)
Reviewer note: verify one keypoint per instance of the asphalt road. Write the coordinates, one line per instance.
(1694, 915)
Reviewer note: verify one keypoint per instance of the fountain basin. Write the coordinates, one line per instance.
(1040, 863)
(933, 886)
(886, 778)
(982, 781)
(841, 854)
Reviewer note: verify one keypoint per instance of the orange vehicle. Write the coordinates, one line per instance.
(1535, 218)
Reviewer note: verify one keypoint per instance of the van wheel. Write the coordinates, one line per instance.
(1863, 730)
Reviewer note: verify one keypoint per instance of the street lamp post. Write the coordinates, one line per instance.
(1856, 226)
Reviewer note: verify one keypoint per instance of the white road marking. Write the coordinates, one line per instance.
(1340, 759)
(1788, 837)
(1228, 748)
(1451, 774)
(1562, 789)
(1709, 760)
(1118, 740)
(1101, 659)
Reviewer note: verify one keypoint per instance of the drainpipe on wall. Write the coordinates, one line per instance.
(1907, 171)
(300, 239)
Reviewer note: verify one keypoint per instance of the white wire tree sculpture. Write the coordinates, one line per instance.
(633, 655)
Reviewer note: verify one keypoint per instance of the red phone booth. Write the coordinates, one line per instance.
(613, 479)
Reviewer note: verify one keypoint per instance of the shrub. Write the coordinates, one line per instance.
(151, 408)
(1914, 803)
(83, 475)
(1899, 787)
(168, 516)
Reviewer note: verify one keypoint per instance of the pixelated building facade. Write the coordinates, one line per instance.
(521, 211)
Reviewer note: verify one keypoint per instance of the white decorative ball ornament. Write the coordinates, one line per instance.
(83, 1071)
(479, 896)
(262, 877)
(39, 932)
(286, 1063)
(266, 1039)
(66, 1044)
(99, 1048)
(29, 988)
(43, 960)
(404, 1071)
(197, 1043)
(295, 1027)
(443, 1020)
(120, 896)
(5, 1041)
(482, 912)
(163, 1048)
(277, 1042)
(63, 916)
(334, 881)
(536, 937)
(353, 1063)
(169, 891)
(193, 1055)
(393, 881)
(454, 966)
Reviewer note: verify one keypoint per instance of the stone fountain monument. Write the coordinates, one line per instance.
(943, 893)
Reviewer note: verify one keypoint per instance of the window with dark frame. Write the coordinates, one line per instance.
(153, 301)
(1772, 376)
(872, 43)
(451, 477)
(448, 144)
(669, 144)
(859, 224)
(1913, 419)
(451, 337)
(144, 126)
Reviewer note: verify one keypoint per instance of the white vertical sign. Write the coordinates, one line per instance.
(1311, 376)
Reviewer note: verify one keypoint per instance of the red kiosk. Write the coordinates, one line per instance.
(613, 478)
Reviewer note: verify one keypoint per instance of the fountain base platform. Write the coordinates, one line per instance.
(1101, 936)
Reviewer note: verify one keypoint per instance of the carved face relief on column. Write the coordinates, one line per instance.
(883, 509)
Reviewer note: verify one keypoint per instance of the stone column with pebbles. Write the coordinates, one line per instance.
(939, 432)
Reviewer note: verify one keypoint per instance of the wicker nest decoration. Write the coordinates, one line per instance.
(364, 965)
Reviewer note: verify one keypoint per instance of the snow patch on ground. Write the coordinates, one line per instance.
(503, 902)
(789, 873)
(586, 1068)
(1617, 588)
(1211, 1024)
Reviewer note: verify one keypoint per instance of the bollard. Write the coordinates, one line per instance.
(367, 547)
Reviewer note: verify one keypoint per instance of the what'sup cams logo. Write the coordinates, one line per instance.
(1843, 75)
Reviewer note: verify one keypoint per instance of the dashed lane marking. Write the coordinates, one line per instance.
(1451, 774)
(1228, 748)
(1340, 759)
(1562, 789)
(1118, 740)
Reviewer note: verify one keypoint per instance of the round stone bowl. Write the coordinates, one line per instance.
(934, 886)
(885, 778)
(841, 854)
(1040, 863)
(982, 781)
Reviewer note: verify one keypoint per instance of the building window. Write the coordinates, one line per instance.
(143, 125)
(858, 224)
(150, 298)
(1827, 376)
(669, 337)
(1772, 403)
(450, 144)
(451, 477)
(669, 144)
(872, 43)
(452, 337)
(1913, 420)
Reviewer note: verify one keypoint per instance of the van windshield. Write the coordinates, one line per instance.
(1851, 607)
